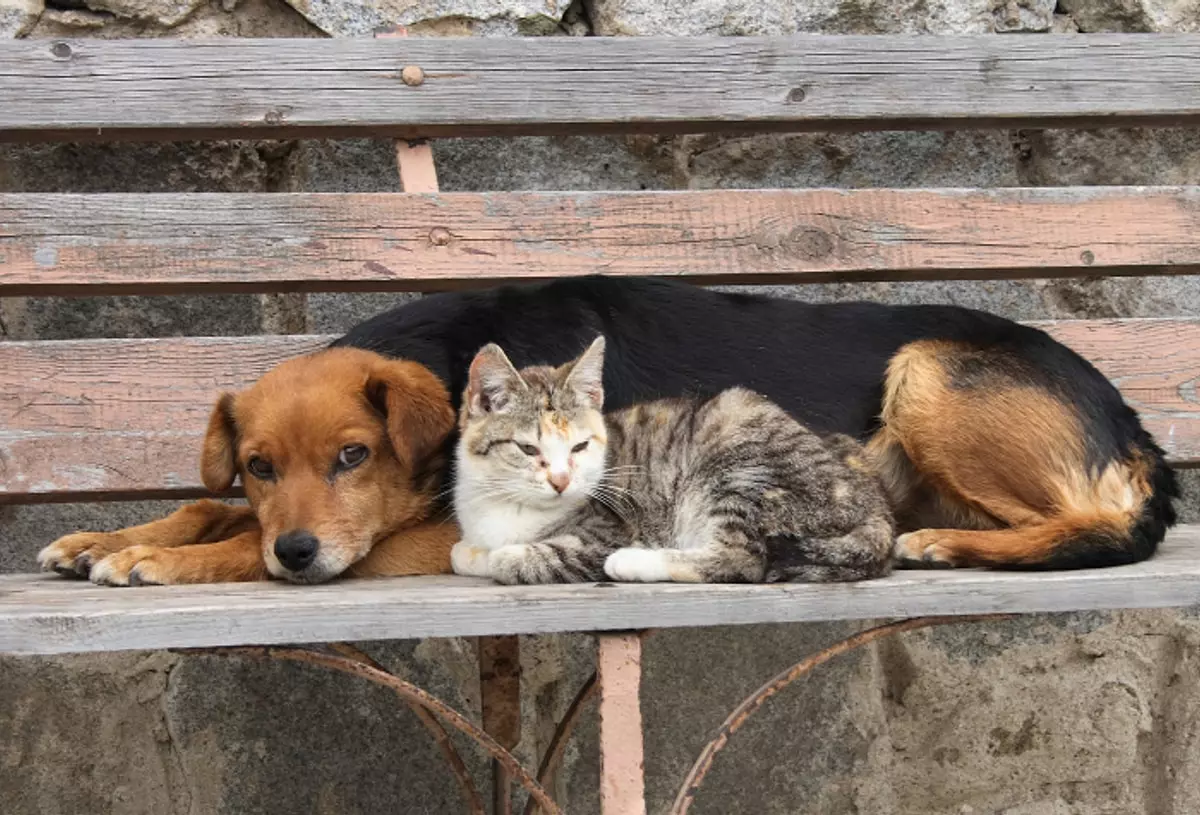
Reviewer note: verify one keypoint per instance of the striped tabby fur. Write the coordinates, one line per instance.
(726, 489)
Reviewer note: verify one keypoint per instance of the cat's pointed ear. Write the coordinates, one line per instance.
(491, 381)
(587, 374)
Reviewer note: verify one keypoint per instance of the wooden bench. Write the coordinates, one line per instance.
(122, 419)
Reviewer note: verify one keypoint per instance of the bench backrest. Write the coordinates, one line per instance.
(111, 419)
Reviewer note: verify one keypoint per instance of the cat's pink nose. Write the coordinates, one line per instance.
(560, 481)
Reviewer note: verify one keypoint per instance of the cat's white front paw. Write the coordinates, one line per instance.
(469, 560)
(632, 565)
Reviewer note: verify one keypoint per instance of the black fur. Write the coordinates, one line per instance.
(824, 363)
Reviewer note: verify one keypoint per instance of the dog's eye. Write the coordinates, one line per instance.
(579, 448)
(527, 449)
(260, 468)
(351, 456)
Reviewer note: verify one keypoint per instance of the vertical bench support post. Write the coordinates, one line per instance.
(622, 781)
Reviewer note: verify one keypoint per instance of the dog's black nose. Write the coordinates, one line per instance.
(296, 550)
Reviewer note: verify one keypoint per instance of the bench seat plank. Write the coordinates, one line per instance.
(111, 419)
(69, 244)
(49, 615)
(280, 88)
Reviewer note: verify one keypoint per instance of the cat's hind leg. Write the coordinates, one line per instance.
(861, 554)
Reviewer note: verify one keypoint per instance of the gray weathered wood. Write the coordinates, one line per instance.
(98, 89)
(109, 244)
(49, 615)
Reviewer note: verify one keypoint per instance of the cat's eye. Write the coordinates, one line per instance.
(351, 456)
(260, 468)
(527, 449)
(579, 448)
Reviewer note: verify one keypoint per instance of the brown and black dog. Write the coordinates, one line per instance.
(998, 446)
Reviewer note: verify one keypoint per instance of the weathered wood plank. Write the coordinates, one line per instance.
(124, 418)
(1156, 365)
(48, 615)
(97, 89)
(119, 418)
(105, 244)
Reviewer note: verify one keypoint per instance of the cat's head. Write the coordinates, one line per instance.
(534, 436)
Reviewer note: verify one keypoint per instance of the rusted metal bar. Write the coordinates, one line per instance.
(440, 736)
(740, 714)
(500, 693)
(619, 668)
(410, 692)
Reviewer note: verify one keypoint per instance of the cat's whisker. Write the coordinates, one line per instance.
(618, 503)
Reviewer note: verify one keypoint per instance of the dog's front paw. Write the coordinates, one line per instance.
(469, 560)
(921, 550)
(634, 565)
(74, 555)
(137, 566)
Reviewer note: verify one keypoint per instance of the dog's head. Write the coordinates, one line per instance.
(336, 450)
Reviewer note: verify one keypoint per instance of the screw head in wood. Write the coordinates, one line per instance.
(439, 236)
(412, 75)
(60, 50)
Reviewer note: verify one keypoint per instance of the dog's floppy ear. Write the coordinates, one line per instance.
(416, 408)
(218, 462)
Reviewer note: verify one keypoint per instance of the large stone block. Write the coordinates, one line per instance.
(358, 18)
(740, 17)
(18, 17)
(1133, 15)
(125, 19)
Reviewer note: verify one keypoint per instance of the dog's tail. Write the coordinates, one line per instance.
(1099, 534)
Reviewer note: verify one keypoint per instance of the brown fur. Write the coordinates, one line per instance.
(374, 519)
(993, 476)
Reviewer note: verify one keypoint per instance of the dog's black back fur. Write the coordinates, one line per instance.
(824, 363)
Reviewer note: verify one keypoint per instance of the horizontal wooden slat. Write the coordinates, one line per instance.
(102, 419)
(97, 89)
(119, 418)
(104, 244)
(48, 615)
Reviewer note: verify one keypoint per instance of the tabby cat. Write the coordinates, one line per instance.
(725, 489)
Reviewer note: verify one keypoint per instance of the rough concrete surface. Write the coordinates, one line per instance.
(1050, 715)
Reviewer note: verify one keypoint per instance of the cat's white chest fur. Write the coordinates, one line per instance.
(487, 524)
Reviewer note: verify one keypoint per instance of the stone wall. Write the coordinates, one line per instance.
(1085, 714)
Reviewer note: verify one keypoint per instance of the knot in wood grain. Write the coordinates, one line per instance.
(412, 75)
(60, 50)
(439, 236)
(810, 242)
